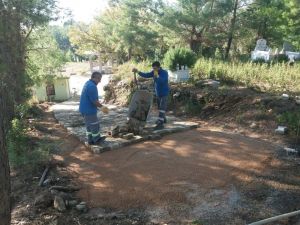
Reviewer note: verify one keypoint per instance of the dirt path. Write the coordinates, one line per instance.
(153, 173)
(205, 176)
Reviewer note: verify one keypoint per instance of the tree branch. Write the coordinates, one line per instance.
(36, 49)
(28, 34)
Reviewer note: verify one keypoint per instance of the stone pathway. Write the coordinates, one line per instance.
(67, 114)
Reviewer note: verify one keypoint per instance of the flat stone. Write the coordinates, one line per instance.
(82, 207)
(96, 150)
(158, 131)
(115, 131)
(137, 139)
(168, 131)
(124, 128)
(208, 83)
(95, 213)
(59, 204)
(128, 136)
(47, 182)
(71, 203)
(154, 137)
(285, 96)
(281, 130)
(115, 146)
(99, 149)
(115, 216)
(291, 150)
(187, 123)
(176, 126)
(65, 196)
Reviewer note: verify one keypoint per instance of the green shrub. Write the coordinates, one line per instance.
(35, 111)
(22, 110)
(27, 110)
(218, 54)
(259, 61)
(291, 120)
(280, 58)
(193, 107)
(243, 58)
(179, 56)
(20, 149)
(17, 141)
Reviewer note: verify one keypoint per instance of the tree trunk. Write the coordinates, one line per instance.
(18, 66)
(195, 40)
(261, 32)
(4, 168)
(9, 72)
(6, 109)
(129, 53)
(195, 46)
(231, 30)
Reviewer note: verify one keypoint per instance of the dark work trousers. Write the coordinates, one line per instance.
(162, 107)
(92, 124)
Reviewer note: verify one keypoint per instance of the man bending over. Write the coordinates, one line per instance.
(160, 77)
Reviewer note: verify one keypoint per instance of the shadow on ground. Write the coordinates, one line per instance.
(201, 175)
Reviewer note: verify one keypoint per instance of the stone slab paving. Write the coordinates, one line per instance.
(67, 114)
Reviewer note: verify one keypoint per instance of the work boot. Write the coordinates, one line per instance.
(99, 141)
(165, 120)
(159, 126)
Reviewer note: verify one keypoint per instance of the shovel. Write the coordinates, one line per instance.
(135, 81)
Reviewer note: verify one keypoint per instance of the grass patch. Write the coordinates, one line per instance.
(240, 119)
(261, 115)
(22, 151)
(197, 222)
(276, 77)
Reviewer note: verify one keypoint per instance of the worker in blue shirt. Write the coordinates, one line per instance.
(160, 78)
(89, 103)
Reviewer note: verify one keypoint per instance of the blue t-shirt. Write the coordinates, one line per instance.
(161, 82)
(88, 96)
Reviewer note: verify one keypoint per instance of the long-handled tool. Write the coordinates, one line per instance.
(276, 218)
(135, 81)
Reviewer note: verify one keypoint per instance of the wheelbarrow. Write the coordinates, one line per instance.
(139, 108)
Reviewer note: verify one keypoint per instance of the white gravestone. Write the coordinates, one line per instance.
(261, 51)
(180, 75)
(289, 50)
